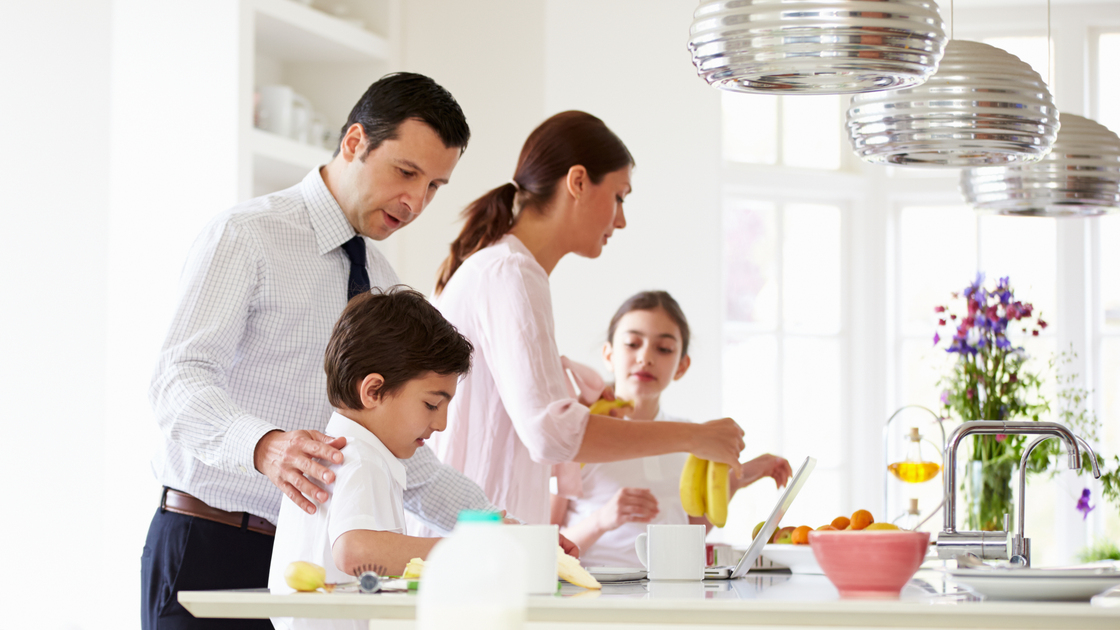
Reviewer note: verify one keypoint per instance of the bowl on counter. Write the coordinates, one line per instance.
(869, 564)
(798, 558)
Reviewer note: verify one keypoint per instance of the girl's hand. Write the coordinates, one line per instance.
(720, 441)
(763, 466)
(628, 505)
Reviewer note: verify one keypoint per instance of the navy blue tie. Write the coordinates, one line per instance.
(359, 279)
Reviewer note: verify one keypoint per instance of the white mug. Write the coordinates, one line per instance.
(275, 111)
(540, 543)
(672, 552)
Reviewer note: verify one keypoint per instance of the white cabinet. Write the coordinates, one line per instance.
(327, 59)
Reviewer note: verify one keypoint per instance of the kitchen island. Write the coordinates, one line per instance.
(757, 600)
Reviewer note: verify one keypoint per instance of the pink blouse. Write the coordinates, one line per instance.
(516, 414)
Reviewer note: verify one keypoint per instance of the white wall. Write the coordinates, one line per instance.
(626, 62)
(54, 164)
(490, 55)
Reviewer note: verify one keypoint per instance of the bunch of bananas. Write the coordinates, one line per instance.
(705, 488)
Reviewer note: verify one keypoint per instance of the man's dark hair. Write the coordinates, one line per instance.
(395, 98)
(396, 334)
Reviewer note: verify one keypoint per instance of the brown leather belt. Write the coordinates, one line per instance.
(183, 503)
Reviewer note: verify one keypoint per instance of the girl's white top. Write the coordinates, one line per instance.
(660, 475)
(516, 413)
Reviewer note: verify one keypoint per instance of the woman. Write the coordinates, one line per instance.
(516, 414)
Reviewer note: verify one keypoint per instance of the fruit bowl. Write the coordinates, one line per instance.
(869, 564)
(798, 558)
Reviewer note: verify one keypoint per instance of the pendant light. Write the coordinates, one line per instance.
(816, 46)
(983, 106)
(1079, 177)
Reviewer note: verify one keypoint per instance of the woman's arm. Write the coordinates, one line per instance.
(360, 548)
(558, 510)
(610, 439)
(628, 505)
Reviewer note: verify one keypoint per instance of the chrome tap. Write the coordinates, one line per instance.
(1020, 544)
(989, 545)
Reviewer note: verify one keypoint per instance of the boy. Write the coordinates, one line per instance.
(392, 366)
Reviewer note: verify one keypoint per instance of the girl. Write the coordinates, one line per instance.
(646, 349)
(516, 414)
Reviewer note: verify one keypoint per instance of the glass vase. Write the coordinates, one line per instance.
(988, 494)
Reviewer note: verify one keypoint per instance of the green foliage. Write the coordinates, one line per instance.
(1101, 549)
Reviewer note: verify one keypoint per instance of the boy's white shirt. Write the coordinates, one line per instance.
(368, 493)
(660, 474)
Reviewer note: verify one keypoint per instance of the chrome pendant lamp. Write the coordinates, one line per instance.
(1079, 177)
(816, 46)
(983, 106)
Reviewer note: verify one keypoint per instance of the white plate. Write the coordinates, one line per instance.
(1037, 584)
(799, 558)
(617, 574)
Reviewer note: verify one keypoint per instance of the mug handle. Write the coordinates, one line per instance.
(640, 548)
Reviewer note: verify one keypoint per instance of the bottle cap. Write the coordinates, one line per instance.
(479, 516)
(914, 506)
(914, 435)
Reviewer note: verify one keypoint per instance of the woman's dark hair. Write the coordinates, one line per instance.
(648, 301)
(395, 98)
(396, 334)
(559, 143)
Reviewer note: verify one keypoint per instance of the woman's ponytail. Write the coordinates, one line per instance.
(488, 219)
(556, 145)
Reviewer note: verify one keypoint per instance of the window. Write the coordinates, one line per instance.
(784, 341)
(799, 131)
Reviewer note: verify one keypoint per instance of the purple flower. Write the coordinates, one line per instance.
(1002, 343)
(936, 338)
(944, 397)
(1083, 504)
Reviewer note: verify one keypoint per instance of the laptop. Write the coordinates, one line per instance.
(764, 534)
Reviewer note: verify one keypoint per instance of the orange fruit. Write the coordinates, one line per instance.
(841, 522)
(881, 526)
(800, 536)
(861, 519)
(826, 528)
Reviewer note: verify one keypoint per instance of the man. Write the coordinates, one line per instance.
(239, 391)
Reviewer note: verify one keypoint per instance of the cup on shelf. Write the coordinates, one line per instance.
(672, 552)
(283, 112)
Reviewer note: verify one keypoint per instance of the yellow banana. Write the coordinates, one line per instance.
(717, 496)
(570, 570)
(305, 576)
(603, 407)
(694, 483)
(414, 568)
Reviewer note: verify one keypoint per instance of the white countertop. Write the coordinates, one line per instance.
(756, 600)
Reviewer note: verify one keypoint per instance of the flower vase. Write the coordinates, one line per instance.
(988, 494)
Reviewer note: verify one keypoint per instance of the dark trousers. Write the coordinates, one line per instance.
(185, 553)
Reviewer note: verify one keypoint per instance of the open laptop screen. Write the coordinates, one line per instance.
(776, 515)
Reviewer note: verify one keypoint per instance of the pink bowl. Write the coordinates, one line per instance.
(875, 564)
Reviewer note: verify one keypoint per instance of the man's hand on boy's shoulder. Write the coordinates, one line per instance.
(288, 458)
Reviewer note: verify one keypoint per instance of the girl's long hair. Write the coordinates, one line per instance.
(559, 143)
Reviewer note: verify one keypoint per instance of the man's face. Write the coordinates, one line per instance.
(394, 183)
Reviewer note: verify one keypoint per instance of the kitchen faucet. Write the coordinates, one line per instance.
(989, 545)
(1020, 544)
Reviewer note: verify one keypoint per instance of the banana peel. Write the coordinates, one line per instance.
(413, 569)
(570, 570)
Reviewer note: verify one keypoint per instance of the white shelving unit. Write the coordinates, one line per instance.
(329, 60)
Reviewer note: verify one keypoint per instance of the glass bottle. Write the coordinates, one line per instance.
(914, 468)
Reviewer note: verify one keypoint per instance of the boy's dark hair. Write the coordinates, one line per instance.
(396, 334)
(648, 301)
(395, 98)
